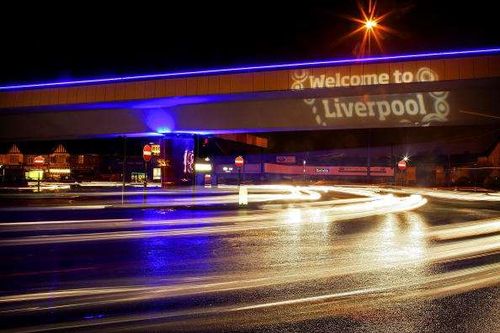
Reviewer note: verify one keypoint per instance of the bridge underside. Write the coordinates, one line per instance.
(449, 103)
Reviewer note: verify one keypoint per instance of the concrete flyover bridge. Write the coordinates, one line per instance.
(432, 89)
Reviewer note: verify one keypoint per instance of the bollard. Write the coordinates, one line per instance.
(243, 196)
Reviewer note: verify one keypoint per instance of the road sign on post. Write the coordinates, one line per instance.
(402, 168)
(239, 161)
(402, 165)
(39, 161)
(146, 153)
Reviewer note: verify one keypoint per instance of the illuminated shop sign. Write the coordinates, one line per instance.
(34, 174)
(286, 159)
(60, 171)
(231, 169)
(328, 170)
(155, 150)
(203, 167)
(414, 108)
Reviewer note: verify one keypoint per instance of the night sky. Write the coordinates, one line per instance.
(79, 41)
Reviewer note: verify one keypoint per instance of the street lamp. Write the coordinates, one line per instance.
(304, 169)
(370, 26)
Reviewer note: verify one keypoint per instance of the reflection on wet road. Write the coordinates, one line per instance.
(320, 258)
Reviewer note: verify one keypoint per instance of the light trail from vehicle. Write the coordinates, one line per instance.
(292, 239)
(446, 194)
(429, 286)
(269, 218)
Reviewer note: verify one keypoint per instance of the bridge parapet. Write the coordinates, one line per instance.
(258, 79)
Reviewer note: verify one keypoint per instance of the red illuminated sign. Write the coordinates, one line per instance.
(39, 160)
(239, 161)
(146, 153)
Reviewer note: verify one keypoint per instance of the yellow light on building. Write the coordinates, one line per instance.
(155, 150)
(34, 174)
(60, 171)
(203, 167)
(156, 173)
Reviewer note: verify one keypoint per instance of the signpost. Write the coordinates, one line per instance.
(146, 155)
(402, 166)
(39, 161)
(124, 166)
(239, 162)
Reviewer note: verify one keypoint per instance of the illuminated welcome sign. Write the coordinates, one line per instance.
(412, 108)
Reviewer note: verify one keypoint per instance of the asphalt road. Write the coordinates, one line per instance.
(314, 259)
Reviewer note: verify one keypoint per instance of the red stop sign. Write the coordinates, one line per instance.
(239, 161)
(39, 160)
(146, 153)
(402, 165)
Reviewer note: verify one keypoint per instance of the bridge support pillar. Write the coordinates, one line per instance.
(177, 155)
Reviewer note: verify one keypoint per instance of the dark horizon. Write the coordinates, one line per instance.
(99, 43)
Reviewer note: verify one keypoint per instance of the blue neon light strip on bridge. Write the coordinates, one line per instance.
(254, 68)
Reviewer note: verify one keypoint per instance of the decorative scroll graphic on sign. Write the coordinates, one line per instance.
(188, 161)
(419, 109)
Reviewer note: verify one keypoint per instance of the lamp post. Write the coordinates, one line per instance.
(124, 163)
(304, 169)
(474, 174)
(402, 165)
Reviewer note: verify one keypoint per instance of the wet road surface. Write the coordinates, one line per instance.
(322, 259)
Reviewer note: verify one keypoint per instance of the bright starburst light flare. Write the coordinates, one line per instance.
(371, 27)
